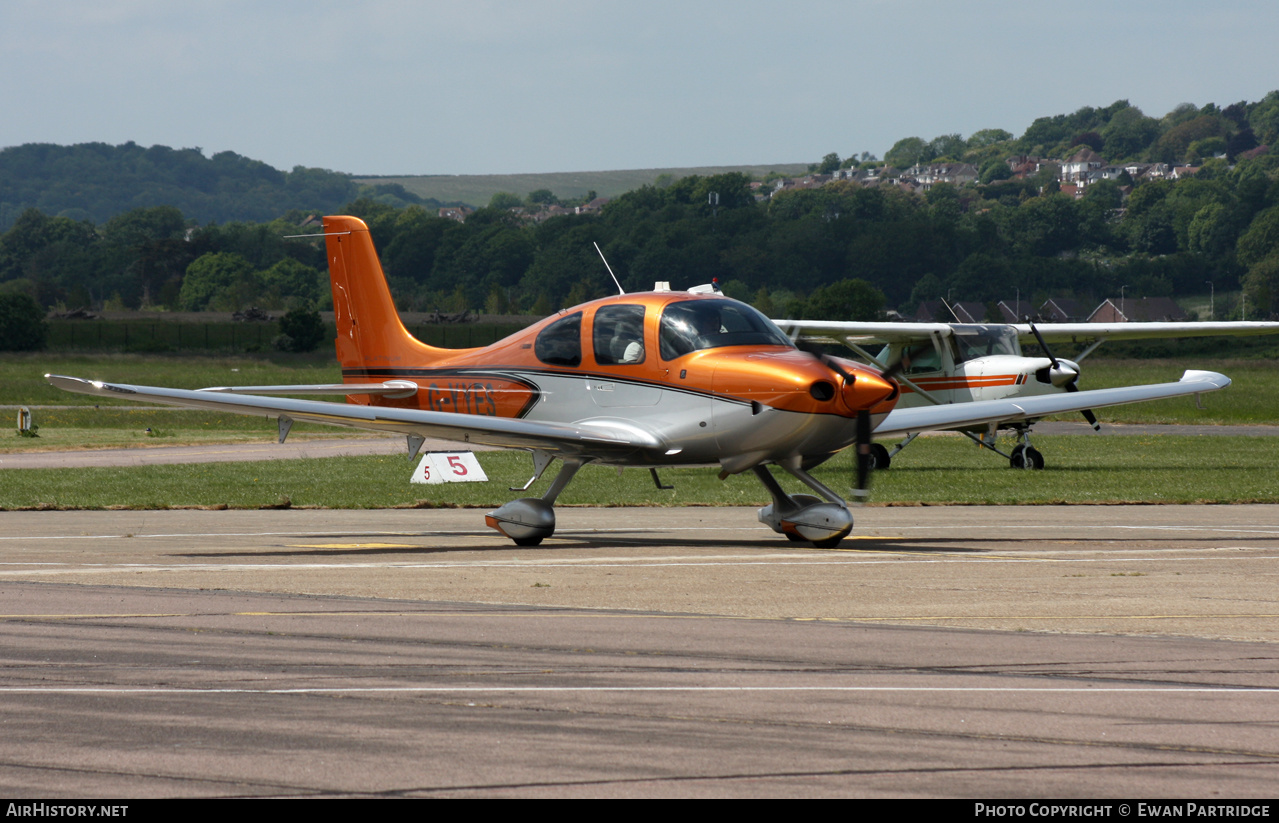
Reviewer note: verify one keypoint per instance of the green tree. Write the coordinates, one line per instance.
(289, 281)
(22, 324)
(847, 300)
(830, 163)
(543, 197)
(908, 152)
(984, 138)
(1264, 119)
(504, 200)
(950, 146)
(1174, 145)
(1128, 134)
(1261, 239)
(301, 330)
(1261, 285)
(217, 280)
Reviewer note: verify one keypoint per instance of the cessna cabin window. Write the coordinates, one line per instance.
(693, 325)
(560, 344)
(919, 358)
(983, 341)
(619, 335)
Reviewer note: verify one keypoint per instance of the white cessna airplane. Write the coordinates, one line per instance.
(949, 363)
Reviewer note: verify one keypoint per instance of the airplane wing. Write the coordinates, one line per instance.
(860, 332)
(962, 415)
(1052, 332)
(589, 438)
(1084, 332)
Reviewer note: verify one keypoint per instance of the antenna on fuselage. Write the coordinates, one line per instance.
(620, 290)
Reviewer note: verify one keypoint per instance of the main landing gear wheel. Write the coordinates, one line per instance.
(1026, 457)
(527, 541)
(829, 543)
(879, 459)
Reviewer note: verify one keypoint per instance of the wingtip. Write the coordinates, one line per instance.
(1200, 376)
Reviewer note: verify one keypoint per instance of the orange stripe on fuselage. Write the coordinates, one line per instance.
(952, 383)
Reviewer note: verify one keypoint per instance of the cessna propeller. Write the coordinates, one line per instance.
(1064, 376)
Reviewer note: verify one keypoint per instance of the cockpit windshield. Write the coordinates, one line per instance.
(693, 325)
(983, 341)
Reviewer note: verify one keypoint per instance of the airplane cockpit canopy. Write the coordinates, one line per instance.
(692, 325)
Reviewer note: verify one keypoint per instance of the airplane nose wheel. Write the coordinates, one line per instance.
(1026, 457)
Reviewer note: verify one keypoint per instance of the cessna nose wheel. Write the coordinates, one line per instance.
(1026, 457)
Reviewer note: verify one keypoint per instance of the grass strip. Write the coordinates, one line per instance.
(939, 471)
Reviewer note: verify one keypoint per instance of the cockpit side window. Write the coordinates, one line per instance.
(560, 344)
(618, 335)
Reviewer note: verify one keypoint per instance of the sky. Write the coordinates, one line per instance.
(400, 87)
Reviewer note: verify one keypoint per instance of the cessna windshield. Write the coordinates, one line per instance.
(693, 325)
(982, 341)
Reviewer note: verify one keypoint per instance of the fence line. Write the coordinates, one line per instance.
(156, 336)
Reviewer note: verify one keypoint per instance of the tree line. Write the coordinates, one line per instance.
(841, 251)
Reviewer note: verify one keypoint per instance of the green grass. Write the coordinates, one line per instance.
(22, 375)
(478, 189)
(1252, 398)
(940, 470)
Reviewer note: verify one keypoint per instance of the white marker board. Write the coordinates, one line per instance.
(448, 467)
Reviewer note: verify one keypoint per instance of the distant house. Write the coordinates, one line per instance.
(1137, 310)
(1015, 311)
(1063, 310)
(957, 174)
(1077, 167)
(1025, 165)
(457, 213)
(594, 206)
(934, 311)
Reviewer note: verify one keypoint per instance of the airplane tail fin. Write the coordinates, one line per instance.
(371, 338)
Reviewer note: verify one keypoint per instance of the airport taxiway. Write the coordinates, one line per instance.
(1069, 651)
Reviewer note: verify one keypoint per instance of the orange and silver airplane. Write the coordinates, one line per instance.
(946, 363)
(652, 380)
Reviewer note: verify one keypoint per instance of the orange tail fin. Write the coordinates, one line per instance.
(371, 337)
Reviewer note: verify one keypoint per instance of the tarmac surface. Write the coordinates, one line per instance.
(1049, 652)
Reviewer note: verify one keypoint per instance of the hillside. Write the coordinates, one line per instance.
(478, 189)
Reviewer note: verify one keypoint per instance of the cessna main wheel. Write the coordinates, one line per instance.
(879, 459)
(1026, 457)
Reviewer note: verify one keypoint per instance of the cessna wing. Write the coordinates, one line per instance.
(1087, 332)
(598, 438)
(982, 412)
(859, 332)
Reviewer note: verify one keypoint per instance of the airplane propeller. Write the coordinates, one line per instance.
(1073, 384)
(865, 462)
